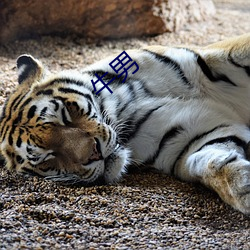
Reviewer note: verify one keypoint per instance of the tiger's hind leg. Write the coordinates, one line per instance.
(223, 169)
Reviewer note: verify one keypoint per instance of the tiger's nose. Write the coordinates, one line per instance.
(96, 153)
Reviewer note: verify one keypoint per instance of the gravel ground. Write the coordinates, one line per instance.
(146, 210)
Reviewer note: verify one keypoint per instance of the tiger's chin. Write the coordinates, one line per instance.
(115, 164)
(109, 171)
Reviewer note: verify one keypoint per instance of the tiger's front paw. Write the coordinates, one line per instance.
(231, 180)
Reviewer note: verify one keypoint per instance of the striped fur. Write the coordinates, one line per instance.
(184, 112)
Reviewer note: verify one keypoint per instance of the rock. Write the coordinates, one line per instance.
(98, 19)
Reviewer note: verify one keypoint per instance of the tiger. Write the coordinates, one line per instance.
(184, 112)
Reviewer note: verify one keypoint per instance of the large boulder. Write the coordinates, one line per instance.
(98, 19)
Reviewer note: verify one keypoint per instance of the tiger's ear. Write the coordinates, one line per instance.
(30, 70)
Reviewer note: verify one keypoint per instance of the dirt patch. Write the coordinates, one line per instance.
(146, 210)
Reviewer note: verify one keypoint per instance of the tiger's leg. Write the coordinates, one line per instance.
(223, 168)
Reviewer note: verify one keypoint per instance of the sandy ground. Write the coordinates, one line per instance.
(146, 210)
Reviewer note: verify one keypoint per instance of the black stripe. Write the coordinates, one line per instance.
(13, 106)
(31, 172)
(72, 82)
(43, 111)
(60, 98)
(139, 123)
(122, 108)
(169, 135)
(56, 105)
(213, 77)
(2, 161)
(3, 134)
(19, 142)
(13, 128)
(26, 103)
(209, 74)
(16, 121)
(17, 101)
(3, 125)
(131, 99)
(231, 160)
(94, 116)
(205, 69)
(42, 114)
(75, 104)
(173, 64)
(132, 91)
(232, 138)
(21, 131)
(108, 77)
(34, 158)
(195, 139)
(146, 90)
(19, 159)
(70, 91)
(231, 60)
(45, 92)
(109, 137)
(68, 81)
(10, 109)
(19, 118)
(64, 117)
(10, 139)
(73, 91)
(29, 149)
(9, 153)
(89, 109)
(3, 113)
(31, 112)
(48, 168)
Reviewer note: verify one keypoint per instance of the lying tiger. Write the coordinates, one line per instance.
(184, 112)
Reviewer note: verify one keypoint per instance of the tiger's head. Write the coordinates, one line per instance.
(52, 126)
